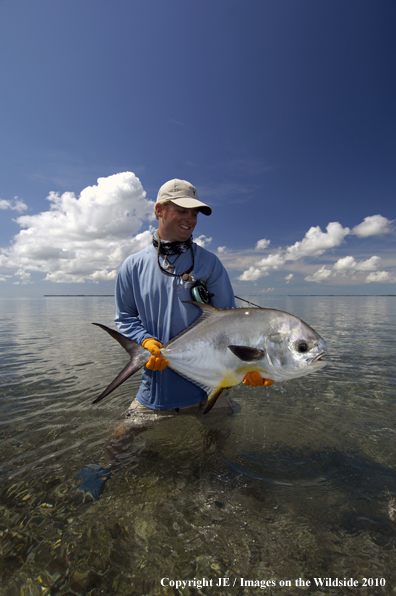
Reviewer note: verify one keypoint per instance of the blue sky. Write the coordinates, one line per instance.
(282, 113)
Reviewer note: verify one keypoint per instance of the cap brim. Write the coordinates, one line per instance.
(189, 203)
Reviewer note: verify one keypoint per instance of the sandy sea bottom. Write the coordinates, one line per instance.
(293, 493)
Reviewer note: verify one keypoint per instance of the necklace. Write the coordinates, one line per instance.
(169, 266)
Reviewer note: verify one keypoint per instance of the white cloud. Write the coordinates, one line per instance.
(374, 225)
(203, 241)
(369, 265)
(82, 238)
(15, 205)
(380, 277)
(344, 265)
(319, 275)
(314, 244)
(261, 244)
(348, 265)
(289, 277)
(273, 261)
(252, 274)
(222, 250)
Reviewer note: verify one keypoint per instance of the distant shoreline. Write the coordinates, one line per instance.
(78, 295)
(250, 295)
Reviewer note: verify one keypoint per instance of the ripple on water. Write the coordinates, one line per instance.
(299, 482)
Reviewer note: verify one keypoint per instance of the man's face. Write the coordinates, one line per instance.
(175, 224)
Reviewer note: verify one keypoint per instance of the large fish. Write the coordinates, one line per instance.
(219, 349)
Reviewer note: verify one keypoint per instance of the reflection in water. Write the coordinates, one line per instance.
(299, 483)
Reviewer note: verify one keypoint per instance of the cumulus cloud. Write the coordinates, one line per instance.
(15, 205)
(374, 225)
(273, 261)
(289, 277)
(221, 250)
(319, 275)
(203, 241)
(314, 244)
(262, 244)
(252, 274)
(317, 242)
(82, 238)
(348, 265)
(380, 277)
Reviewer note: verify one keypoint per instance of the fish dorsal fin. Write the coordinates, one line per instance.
(246, 353)
(207, 311)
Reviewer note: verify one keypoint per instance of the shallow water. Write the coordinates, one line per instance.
(297, 484)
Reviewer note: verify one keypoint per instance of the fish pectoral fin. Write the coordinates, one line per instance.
(246, 353)
(212, 398)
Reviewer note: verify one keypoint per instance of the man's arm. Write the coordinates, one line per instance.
(128, 321)
(127, 317)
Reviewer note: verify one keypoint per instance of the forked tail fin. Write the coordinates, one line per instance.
(139, 356)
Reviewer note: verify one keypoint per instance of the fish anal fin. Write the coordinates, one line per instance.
(212, 397)
(246, 353)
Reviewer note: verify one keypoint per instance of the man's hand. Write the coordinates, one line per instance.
(256, 380)
(153, 346)
(157, 361)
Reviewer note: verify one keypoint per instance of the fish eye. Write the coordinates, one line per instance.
(302, 346)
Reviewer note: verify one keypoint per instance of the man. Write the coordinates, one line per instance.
(154, 287)
(153, 291)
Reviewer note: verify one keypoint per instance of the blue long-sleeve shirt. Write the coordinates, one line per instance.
(150, 303)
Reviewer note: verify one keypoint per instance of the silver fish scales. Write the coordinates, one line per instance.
(219, 349)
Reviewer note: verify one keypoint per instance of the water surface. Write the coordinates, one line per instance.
(299, 483)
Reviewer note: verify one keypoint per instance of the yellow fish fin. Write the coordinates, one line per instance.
(212, 397)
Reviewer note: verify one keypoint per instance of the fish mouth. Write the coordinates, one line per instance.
(318, 358)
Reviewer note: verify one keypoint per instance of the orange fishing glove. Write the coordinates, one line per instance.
(153, 346)
(256, 380)
(157, 361)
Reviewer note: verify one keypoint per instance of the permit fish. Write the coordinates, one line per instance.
(223, 345)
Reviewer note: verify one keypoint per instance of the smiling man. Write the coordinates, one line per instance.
(153, 289)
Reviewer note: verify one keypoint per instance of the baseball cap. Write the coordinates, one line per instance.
(182, 193)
